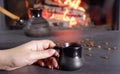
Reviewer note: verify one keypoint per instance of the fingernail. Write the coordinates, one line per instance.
(49, 67)
(56, 65)
(58, 55)
(51, 51)
(42, 64)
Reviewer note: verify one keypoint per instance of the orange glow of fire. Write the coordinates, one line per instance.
(28, 10)
(64, 15)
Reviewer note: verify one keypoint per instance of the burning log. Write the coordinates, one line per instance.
(63, 10)
(57, 3)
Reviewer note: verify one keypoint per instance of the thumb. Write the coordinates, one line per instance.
(44, 54)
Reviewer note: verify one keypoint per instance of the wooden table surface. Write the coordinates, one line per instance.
(92, 65)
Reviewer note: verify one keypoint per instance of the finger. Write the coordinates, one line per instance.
(44, 44)
(41, 63)
(54, 62)
(56, 54)
(48, 44)
(48, 63)
(43, 54)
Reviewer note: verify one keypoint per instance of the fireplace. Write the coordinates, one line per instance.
(92, 15)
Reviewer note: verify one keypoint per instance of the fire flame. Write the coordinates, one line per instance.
(66, 14)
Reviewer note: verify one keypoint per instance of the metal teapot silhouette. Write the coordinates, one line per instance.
(35, 26)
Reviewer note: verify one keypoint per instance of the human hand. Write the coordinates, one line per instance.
(27, 54)
(51, 62)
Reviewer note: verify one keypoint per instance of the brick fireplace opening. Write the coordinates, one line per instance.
(101, 14)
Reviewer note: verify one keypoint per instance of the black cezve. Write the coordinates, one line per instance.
(70, 56)
(36, 25)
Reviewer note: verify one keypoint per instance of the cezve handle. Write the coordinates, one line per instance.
(9, 14)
